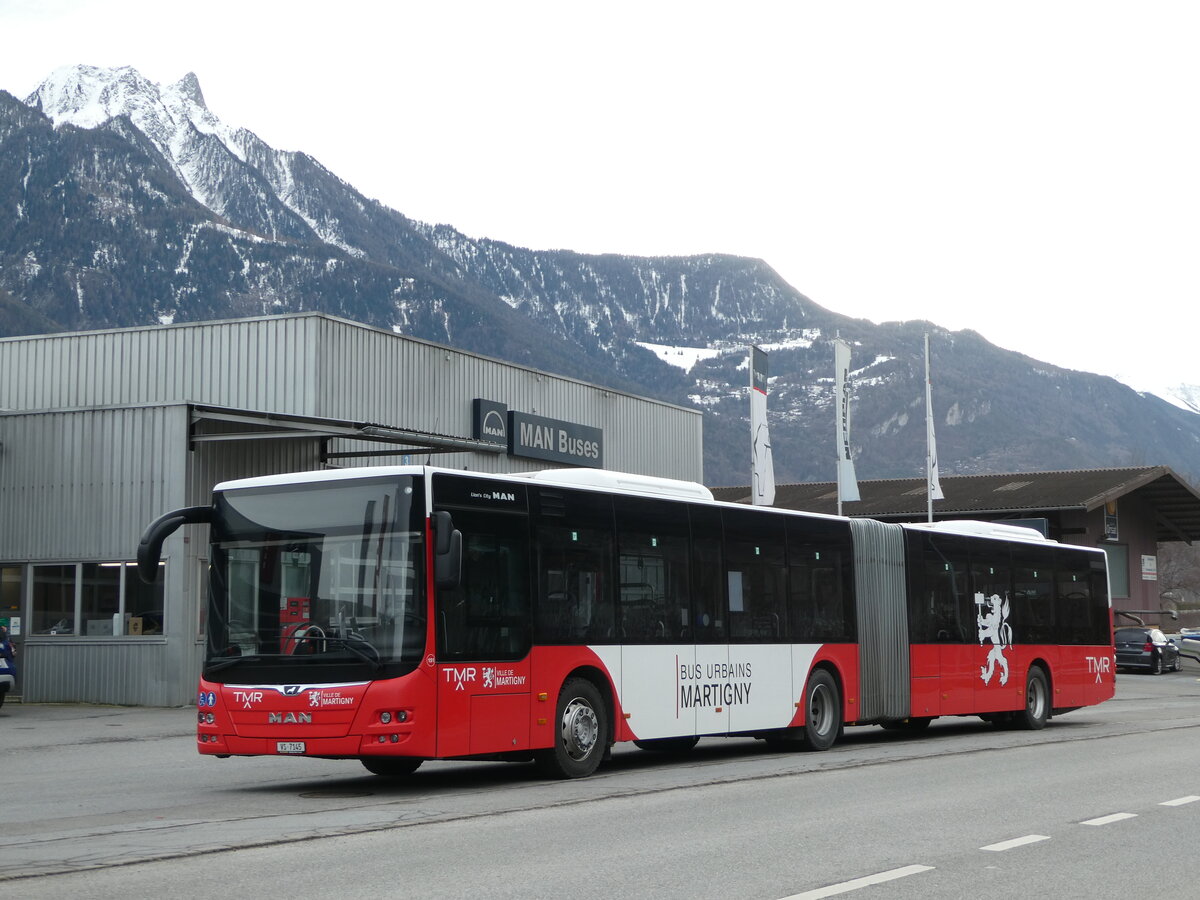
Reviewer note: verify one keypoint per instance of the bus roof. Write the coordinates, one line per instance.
(984, 529)
(621, 481)
(601, 479)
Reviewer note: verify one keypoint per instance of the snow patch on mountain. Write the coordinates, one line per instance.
(682, 357)
(1185, 396)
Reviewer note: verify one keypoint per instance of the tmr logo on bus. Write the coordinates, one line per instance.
(461, 677)
(1099, 666)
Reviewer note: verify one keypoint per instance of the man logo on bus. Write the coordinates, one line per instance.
(993, 626)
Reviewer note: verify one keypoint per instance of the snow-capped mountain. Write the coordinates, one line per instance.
(124, 202)
(1185, 396)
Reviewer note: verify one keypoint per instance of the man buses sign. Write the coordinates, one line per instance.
(562, 442)
(538, 437)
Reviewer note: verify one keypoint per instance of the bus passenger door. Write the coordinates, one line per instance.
(483, 639)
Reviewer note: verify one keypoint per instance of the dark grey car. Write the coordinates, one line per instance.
(1146, 648)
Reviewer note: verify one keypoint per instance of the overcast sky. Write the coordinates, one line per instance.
(1024, 169)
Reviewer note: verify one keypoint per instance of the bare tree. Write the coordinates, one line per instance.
(1179, 571)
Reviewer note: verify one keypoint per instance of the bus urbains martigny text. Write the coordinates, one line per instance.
(394, 615)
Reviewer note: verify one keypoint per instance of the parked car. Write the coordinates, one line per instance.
(1146, 648)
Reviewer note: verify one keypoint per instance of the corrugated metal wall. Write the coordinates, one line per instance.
(125, 672)
(879, 584)
(82, 485)
(427, 387)
(259, 364)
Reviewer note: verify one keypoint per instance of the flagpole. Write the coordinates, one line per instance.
(762, 468)
(928, 434)
(847, 482)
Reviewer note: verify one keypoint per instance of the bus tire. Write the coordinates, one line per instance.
(580, 732)
(671, 745)
(1036, 713)
(822, 711)
(390, 766)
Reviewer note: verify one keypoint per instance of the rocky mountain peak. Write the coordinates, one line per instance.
(188, 87)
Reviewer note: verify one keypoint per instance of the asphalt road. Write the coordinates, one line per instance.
(114, 802)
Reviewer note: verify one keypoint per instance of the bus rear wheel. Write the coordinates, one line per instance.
(390, 766)
(1036, 713)
(580, 732)
(822, 711)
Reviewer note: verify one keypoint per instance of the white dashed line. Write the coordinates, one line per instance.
(1108, 820)
(1180, 801)
(867, 881)
(1016, 842)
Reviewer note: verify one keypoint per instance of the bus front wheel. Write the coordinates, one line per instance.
(580, 732)
(822, 711)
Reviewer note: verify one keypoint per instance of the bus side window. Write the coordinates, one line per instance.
(487, 615)
(755, 577)
(1073, 600)
(708, 614)
(1033, 596)
(574, 591)
(952, 612)
(820, 582)
(654, 604)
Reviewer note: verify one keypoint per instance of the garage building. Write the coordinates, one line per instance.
(100, 432)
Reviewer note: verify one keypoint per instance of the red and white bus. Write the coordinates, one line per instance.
(394, 615)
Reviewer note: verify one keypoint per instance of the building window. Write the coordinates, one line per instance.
(100, 597)
(10, 593)
(105, 599)
(1118, 568)
(143, 606)
(53, 608)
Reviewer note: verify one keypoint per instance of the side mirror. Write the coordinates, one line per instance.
(447, 551)
(150, 548)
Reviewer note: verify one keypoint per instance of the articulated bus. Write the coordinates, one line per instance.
(400, 614)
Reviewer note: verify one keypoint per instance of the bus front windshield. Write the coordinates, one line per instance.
(317, 581)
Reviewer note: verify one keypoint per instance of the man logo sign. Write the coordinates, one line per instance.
(489, 421)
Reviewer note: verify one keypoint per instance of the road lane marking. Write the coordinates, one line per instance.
(1016, 842)
(867, 881)
(1108, 820)
(1180, 801)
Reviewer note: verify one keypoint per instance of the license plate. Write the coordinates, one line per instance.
(289, 746)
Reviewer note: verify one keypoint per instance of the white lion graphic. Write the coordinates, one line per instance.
(994, 627)
(489, 677)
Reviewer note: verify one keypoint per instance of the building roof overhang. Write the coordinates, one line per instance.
(1175, 503)
(212, 424)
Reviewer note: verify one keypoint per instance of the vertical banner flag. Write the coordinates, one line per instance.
(846, 481)
(762, 469)
(933, 487)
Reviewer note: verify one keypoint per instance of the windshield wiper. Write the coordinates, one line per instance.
(226, 663)
(350, 644)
